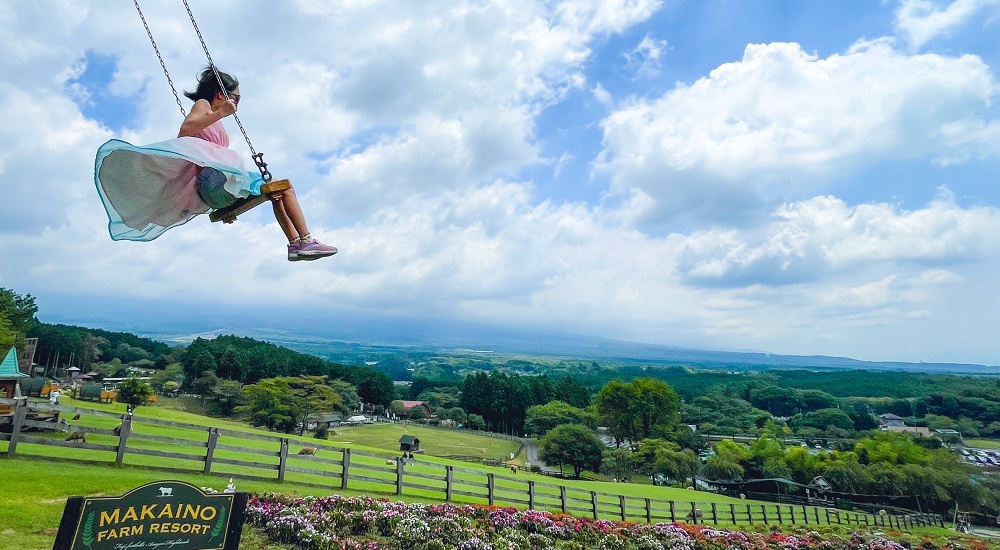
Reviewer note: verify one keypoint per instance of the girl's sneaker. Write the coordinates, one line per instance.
(309, 250)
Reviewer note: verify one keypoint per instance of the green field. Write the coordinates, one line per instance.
(983, 443)
(35, 489)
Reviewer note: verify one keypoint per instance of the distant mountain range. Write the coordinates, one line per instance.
(323, 332)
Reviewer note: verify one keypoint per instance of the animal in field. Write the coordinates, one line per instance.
(76, 416)
(77, 436)
(311, 451)
(693, 518)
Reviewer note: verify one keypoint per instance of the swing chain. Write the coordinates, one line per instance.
(149, 33)
(258, 158)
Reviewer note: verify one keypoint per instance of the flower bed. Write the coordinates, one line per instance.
(323, 523)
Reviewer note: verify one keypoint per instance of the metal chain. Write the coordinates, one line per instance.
(258, 158)
(160, 57)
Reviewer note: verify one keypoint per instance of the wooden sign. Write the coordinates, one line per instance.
(163, 515)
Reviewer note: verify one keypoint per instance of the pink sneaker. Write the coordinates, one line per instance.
(310, 250)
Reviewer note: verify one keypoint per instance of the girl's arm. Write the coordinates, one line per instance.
(202, 116)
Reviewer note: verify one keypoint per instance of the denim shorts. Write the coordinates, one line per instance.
(211, 188)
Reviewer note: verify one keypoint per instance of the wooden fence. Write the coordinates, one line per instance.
(244, 455)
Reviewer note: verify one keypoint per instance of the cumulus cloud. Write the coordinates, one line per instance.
(818, 238)
(783, 119)
(920, 21)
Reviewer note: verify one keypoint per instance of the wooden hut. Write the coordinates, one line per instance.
(409, 443)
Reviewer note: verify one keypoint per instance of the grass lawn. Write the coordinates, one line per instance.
(983, 443)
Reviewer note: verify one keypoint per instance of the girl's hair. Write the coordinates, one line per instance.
(208, 85)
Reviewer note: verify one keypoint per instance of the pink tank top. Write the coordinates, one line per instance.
(214, 133)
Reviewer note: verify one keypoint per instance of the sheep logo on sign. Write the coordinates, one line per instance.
(166, 491)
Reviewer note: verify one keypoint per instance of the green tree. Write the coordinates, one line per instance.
(475, 422)
(19, 311)
(618, 463)
(723, 468)
(572, 445)
(376, 389)
(228, 396)
(655, 406)
(613, 404)
(133, 391)
(172, 374)
(676, 465)
(205, 385)
(539, 419)
(824, 418)
(7, 334)
(350, 400)
(284, 403)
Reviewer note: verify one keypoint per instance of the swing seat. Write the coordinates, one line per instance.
(229, 213)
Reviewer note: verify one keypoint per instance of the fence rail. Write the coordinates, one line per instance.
(267, 458)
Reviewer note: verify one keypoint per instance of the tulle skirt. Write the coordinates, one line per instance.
(148, 190)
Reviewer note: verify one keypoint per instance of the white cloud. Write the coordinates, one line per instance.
(920, 21)
(818, 238)
(782, 119)
(646, 58)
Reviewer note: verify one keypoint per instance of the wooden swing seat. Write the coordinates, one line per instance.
(229, 213)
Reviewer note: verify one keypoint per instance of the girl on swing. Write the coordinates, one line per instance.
(147, 190)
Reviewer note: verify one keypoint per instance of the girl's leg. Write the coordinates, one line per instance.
(289, 215)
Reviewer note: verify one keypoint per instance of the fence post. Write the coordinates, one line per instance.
(828, 522)
(282, 458)
(621, 504)
(649, 512)
(777, 509)
(490, 486)
(123, 433)
(715, 515)
(531, 494)
(449, 479)
(345, 468)
(593, 502)
(213, 438)
(791, 513)
(399, 477)
(749, 515)
(673, 515)
(816, 513)
(732, 512)
(20, 412)
(562, 498)
(694, 513)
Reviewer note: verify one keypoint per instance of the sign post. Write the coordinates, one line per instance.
(162, 515)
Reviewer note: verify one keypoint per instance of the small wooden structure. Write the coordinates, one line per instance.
(10, 388)
(10, 376)
(409, 443)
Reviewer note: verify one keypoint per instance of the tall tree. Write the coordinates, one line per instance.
(572, 445)
(613, 405)
(133, 392)
(19, 311)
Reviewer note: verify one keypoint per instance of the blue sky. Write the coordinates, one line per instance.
(804, 177)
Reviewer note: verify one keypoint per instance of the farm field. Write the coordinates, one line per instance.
(30, 520)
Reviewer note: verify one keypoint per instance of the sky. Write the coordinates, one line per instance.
(790, 176)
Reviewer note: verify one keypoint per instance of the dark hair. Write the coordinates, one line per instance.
(208, 85)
